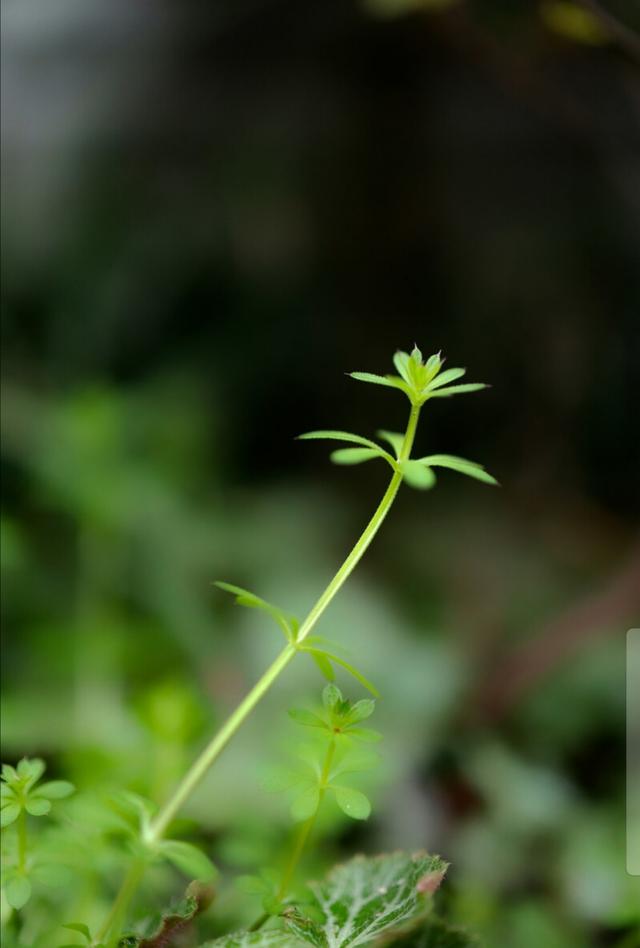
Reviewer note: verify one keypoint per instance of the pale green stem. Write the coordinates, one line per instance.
(22, 841)
(308, 825)
(213, 750)
(110, 931)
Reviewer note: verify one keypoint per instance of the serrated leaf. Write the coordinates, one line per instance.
(366, 898)
(339, 436)
(352, 802)
(389, 381)
(461, 465)
(9, 814)
(394, 438)
(355, 455)
(56, 789)
(18, 892)
(37, 806)
(244, 597)
(417, 475)
(306, 718)
(271, 938)
(457, 390)
(188, 859)
(306, 804)
(79, 927)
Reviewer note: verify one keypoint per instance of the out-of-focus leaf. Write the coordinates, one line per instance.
(352, 802)
(417, 475)
(574, 22)
(188, 859)
(17, 892)
(355, 455)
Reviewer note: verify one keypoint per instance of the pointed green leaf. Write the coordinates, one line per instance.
(322, 662)
(339, 436)
(56, 789)
(352, 671)
(9, 814)
(401, 362)
(362, 901)
(18, 892)
(79, 927)
(188, 859)
(394, 438)
(355, 455)
(246, 598)
(387, 380)
(37, 806)
(366, 734)
(307, 718)
(352, 802)
(470, 468)
(331, 696)
(361, 710)
(457, 390)
(443, 378)
(306, 804)
(417, 475)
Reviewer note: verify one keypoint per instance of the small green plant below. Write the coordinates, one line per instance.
(366, 900)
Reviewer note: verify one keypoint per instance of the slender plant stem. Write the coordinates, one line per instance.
(220, 740)
(111, 928)
(307, 826)
(22, 841)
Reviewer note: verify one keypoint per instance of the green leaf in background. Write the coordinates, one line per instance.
(417, 475)
(17, 892)
(9, 813)
(366, 898)
(261, 939)
(435, 933)
(470, 468)
(188, 859)
(354, 455)
(352, 802)
(244, 597)
(572, 21)
(306, 804)
(79, 927)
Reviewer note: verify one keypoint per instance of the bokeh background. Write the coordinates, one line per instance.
(212, 212)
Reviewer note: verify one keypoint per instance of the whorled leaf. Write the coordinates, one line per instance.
(417, 475)
(461, 465)
(367, 898)
(244, 597)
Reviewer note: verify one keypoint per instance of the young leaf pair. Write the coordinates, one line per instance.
(313, 645)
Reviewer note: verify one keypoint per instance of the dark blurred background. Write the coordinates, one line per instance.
(212, 212)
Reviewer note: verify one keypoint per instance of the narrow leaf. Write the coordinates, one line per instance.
(352, 671)
(401, 362)
(443, 378)
(457, 390)
(366, 734)
(470, 468)
(339, 436)
(394, 438)
(352, 802)
(322, 662)
(188, 859)
(355, 455)
(417, 475)
(378, 380)
(248, 599)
